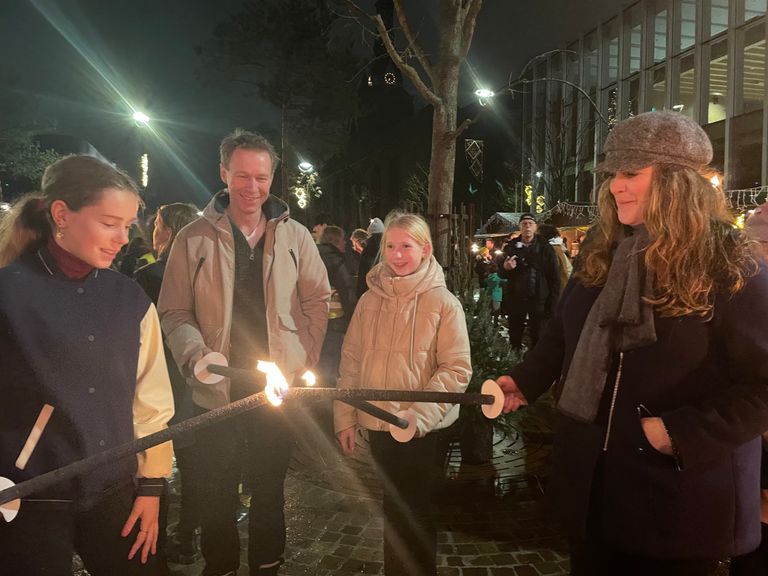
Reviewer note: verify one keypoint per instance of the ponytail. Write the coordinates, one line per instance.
(24, 228)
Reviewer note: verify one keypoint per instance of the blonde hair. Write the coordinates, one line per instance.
(78, 181)
(413, 224)
(694, 251)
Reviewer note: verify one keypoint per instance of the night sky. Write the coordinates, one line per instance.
(73, 64)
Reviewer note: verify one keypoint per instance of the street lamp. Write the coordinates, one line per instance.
(141, 118)
(306, 167)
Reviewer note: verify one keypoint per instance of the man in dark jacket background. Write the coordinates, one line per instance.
(530, 265)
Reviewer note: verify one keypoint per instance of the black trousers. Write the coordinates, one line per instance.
(518, 312)
(256, 445)
(42, 538)
(410, 536)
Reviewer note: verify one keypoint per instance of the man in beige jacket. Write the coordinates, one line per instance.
(247, 281)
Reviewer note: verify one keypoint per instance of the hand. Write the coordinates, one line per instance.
(196, 357)
(347, 439)
(513, 398)
(510, 263)
(657, 435)
(146, 509)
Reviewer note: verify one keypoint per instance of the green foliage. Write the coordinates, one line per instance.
(21, 157)
(492, 356)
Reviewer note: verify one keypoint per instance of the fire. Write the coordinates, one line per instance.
(310, 378)
(277, 386)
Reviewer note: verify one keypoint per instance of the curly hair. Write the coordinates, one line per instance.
(695, 252)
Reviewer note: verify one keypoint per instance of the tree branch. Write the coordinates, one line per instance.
(411, 39)
(409, 71)
(463, 126)
(473, 8)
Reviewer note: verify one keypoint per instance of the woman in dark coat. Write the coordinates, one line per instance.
(658, 352)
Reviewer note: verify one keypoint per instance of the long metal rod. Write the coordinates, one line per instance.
(82, 467)
(379, 413)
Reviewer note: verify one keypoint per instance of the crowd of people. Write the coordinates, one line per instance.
(651, 342)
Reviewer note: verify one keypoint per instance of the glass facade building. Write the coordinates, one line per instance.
(702, 58)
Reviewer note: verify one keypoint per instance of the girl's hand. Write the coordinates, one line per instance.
(347, 439)
(146, 510)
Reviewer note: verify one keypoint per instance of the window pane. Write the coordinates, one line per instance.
(590, 62)
(684, 80)
(540, 89)
(718, 81)
(754, 8)
(632, 95)
(718, 16)
(610, 110)
(746, 150)
(660, 31)
(571, 70)
(633, 40)
(753, 73)
(687, 24)
(611, 51)
(716, 133)
(657, 87)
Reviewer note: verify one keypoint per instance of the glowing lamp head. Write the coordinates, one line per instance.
(277, 386)
(140, 117)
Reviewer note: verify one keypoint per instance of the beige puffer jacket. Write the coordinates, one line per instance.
(407, 333)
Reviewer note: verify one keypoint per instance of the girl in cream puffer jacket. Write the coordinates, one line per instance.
(408, 332)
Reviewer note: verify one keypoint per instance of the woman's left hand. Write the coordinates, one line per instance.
(146, 510)
(657, 435)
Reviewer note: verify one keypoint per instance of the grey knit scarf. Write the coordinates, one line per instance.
(618, 321)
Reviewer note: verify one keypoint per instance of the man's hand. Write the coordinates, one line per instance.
(146, 510)
(513, 398)
(196, 357)
(510, 263)
(347, 439)
(657, 435)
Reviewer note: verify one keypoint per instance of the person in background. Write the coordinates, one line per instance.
(657, 354)
(84, 341)
(332, 249)
(181, 547)
(408, 332)
(756, 563)
(494, 284)
(552, 235)
(321, 221)
(359, 238)
(530, 265)
(370, 254)
(137, 253)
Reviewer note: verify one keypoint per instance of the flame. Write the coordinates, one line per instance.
(277, 386)
(310, 378)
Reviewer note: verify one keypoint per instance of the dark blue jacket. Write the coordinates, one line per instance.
(708, 381)
(73, 345)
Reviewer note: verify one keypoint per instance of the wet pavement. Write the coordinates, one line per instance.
(492, 518)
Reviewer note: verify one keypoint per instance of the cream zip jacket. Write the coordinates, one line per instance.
(407, 333)
(195, 303)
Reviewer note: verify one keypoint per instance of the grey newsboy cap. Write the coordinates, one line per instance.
(656, 138)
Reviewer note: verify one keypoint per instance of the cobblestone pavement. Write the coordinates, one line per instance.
(491, 518)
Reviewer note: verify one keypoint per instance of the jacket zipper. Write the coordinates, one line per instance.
(616, 383)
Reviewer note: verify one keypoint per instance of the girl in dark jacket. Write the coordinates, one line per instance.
(81, 344)
(658, 352)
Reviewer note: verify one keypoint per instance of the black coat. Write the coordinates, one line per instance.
(708, 381)
(340, 279)
(536, 278)
(368, 260)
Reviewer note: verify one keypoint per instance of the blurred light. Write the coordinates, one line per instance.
(539, 174)
(306, 167)
(144, 165)
(140, 117)
(715, 180)
(475, 248)
(484, 93)
(5, 207)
